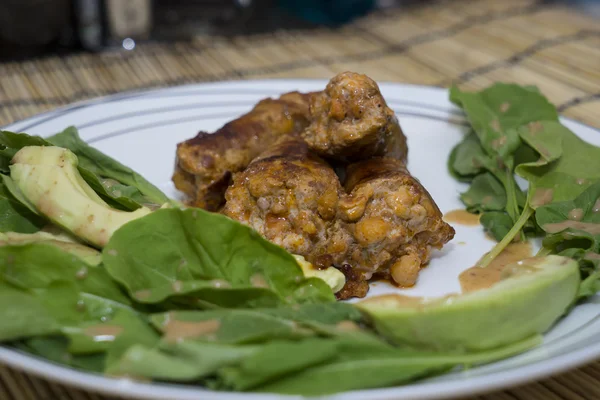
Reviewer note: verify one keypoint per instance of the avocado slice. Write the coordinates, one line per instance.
(87, 254)
(48, 177)
(333, 277)
(528, 299)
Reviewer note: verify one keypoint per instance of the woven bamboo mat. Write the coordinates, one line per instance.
(472, 43)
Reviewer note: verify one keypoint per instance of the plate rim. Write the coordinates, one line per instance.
(425, 390)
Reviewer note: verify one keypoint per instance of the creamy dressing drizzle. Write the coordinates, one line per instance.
(588, 227)
(258, 280)
(177, 286)
(399, 299)
(477, 278)
(142, 294)
(576, 214)
(542, 196)
(175, 330)
(462, 217)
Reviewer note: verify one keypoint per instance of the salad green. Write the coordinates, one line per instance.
(516, 132)
(184, 295)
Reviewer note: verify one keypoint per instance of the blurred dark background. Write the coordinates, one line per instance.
(31, 28)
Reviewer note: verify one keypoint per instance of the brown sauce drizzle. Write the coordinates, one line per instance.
(588, 227)
(576, 214)
(259, 281)
(142, 294)
(542, 196)
(400, 299)
(462, 217)
(477, 278)
(175, 330)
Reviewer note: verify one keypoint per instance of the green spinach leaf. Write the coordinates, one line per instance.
(574, 224)
(104, 166)
(210, 257)
(496, 223)
(497, 111)
(486, 193)
(37, 265)
(468, 159)
(354, 369)
(185, 361)
(567, 165)
(496, 114)
(54, 348)
(14, 216)
(39, 311)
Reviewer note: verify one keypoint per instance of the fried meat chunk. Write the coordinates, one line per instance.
(289, 195)
(351, 121)
(393, 220)
(204, 164)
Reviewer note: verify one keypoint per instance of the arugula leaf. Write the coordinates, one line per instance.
(54, 348)
(36, 312)
(567, 165)
(104, 166)
(123, 329)
(486, 193)
(467, 159)
(117, 184)
(496, 223)
(268, 364)
(11, 190)
(11, 142)
(216, 260)
(573, 223)
(557, 176)
(14, 216)
(37, 265)
(68, 297)
(353, 369)
(183, 362)
(235, 326)
(497, 111)
(116, 195)
(495, 114)
(573, 230)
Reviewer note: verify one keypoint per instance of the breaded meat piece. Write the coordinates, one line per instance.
(204, 164)
(289, 195)
(351, 121)
(393, 220)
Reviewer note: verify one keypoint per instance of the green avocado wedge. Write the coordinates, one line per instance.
(48, 178)
(86, 253)
(527, 300)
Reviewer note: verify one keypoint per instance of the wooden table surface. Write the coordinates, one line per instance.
(469, 42)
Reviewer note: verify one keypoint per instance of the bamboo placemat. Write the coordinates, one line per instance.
(469, 42)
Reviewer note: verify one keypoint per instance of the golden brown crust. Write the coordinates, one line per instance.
(205, 163)
(350, 121)
(394, 221)
(289, 195)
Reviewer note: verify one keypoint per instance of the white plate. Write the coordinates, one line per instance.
(141, 130)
